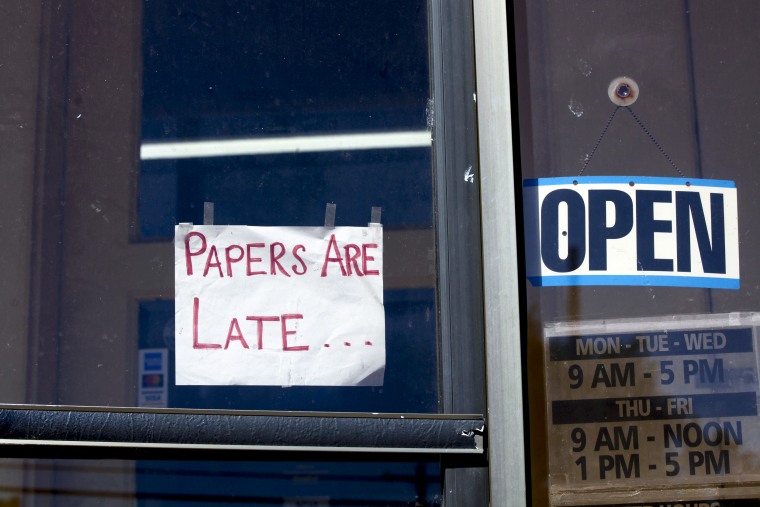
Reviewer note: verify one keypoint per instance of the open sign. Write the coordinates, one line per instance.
(617, 230)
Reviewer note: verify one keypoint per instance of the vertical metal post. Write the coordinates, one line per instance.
(501, 289)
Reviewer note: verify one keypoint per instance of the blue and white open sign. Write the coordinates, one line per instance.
(618, 230)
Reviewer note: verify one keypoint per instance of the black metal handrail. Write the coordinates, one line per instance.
(33, 430)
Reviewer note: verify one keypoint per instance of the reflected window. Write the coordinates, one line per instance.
(272, 113)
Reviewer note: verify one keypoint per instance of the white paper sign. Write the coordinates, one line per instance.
(618, 230)
(286, 306)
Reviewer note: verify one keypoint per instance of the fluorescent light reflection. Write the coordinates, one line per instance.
(273, 145)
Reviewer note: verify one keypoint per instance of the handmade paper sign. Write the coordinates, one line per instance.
(618, 230)
(286, 306)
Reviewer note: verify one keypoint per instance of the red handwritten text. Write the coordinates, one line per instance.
(349, 262)
(235, 333)
(243, 260)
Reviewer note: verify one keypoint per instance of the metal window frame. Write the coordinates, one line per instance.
(455, 143)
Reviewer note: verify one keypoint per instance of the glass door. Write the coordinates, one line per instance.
(642, 100)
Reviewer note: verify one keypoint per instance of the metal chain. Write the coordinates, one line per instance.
(646, 131)
(651, 137)
(599, 141)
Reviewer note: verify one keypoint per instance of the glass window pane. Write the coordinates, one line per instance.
(88, 299)
(153, 77)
